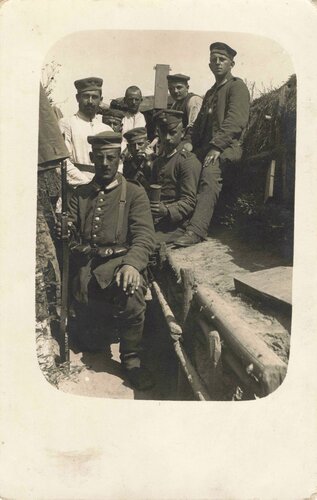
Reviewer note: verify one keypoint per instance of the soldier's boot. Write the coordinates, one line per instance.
(139, 377)
(188, 239)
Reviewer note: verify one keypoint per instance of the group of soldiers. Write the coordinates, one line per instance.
(129, 193)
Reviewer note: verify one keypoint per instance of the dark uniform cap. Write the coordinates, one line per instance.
(105, 140)
(113, 113)
(91, 83)
(135, 134)
(169, 117)
(223, 48)
(178, 78)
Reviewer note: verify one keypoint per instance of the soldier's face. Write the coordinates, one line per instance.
(133, 101)
(88, 102)
(116, 125)
(137, 149)
(170, 137)
(178, 90)
(220, 64)
(106, 163)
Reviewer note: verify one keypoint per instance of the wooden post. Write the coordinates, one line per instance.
(160, 86)
(188, 282)
(209, 361)
(269, 187)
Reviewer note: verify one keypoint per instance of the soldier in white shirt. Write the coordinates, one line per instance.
(78, 127)
(133, 117)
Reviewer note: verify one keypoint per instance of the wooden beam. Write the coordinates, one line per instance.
(268, 368)
(160, 86)
(193, 379)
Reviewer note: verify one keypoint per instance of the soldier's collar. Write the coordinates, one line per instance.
(99, 187)
(171, 154)
(228, 77)
(84, 117)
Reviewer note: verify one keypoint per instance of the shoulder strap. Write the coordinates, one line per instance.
(122, 203)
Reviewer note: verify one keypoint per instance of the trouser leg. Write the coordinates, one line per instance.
(130, 317)
(209, 188)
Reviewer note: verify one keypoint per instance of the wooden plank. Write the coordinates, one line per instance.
(273, 285)
(269, 187)
(252, 351)
(160, 86)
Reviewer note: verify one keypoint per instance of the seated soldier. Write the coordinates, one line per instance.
(137, 164)
(177, 171)
(113, 237)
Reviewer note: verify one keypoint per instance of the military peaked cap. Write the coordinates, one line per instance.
(105, 140)
(91, 83)
(135, 134)
(113, 113)
(169, 117)
(223, 48)
(178, 78)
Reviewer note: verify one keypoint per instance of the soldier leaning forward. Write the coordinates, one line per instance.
(113, 237)
(138, 163)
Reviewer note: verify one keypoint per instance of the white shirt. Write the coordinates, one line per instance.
(75, 130)
(129, 122)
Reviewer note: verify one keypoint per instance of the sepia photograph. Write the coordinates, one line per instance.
(158, 249)
(184, 293)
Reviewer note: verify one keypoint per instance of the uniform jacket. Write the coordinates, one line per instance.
(93, 212)
(222, 119)
(178, 175)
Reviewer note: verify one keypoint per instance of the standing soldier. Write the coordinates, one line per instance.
(133, 117)
(184, 101)
(76, 129)
(217, 137)
(113, 238)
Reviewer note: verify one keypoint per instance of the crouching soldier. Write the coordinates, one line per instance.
(112, 235)
(177, 172)
(137, 165)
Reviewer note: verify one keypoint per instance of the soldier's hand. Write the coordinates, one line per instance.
(211, 157)
(149, 151)
(158, 209)
(128, 278)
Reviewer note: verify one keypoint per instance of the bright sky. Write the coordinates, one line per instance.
(124, 58)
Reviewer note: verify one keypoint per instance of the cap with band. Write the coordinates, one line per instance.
(223, 48)
(105, 140)
(91, 83)
(178, 77)
(113, 113)
(135, 135)
(168, 117)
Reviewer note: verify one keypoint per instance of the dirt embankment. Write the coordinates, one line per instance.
(217, 261)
